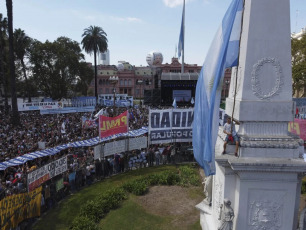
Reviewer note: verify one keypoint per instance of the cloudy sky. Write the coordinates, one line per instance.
(133, 27)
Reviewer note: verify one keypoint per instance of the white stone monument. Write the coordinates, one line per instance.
(263, 184)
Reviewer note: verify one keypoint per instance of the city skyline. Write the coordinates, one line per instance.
(134, 28)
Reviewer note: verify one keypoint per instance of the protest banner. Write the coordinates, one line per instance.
(88, 123)
(170, 125)
(16, 208)
(114, 147)
(120, 146)
(113, 125)
(138, 143)
(29, 106)
(46, 172)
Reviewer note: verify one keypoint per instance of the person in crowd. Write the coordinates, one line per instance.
(157, 156)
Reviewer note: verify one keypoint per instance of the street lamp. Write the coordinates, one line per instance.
(226, 89)
(113, 80)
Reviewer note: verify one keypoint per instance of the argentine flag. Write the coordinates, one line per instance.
(223, 53)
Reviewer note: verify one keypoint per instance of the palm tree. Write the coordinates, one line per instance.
(3, 78)
(94, 40)
(22, 43)
(15, 114)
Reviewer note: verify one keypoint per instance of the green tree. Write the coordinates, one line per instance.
(94, 40)
(55, 66)
(15, 114)
(298, 49)
(84, 79)
(22, 43)
(3, 63)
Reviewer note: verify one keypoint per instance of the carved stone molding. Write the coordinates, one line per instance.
(264, 128)
(257, 84)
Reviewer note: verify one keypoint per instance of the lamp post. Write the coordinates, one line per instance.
(226, 88)
(113, 80)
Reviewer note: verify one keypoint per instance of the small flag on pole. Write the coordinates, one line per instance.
(174, 103)
(223, 53)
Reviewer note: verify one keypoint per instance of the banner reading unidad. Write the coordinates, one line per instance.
(113, 125)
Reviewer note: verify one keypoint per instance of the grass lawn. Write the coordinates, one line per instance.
(62, 216)
(132, 216)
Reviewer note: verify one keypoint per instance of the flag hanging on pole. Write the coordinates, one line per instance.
(181, 38)
(174, 103)
(223, 53)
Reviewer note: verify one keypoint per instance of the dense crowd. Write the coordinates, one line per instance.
(54, 130)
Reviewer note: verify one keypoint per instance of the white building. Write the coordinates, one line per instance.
(299, 34)
(104, 58)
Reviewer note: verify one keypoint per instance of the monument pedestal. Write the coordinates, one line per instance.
(264, 192)
(264, 182)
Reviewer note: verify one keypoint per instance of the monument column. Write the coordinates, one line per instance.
(263, 184)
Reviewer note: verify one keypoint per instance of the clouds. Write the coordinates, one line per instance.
(126, 19)
(174, 3)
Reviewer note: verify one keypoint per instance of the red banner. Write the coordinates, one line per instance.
(113, 125)
(298, 127)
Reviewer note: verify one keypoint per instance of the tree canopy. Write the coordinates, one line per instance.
(94, 40)
(55, 66)
(298, 47)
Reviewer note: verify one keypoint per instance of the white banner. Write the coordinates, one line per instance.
(138, 143)
(114, 147)
(46, 172)
(170, 125)
(120, 146)
(39, 106)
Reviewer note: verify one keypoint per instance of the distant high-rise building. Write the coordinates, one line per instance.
(104, 58)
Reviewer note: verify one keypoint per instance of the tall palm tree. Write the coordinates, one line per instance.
(22, 43)
(15, 114)
(94, 40)
(3, 78)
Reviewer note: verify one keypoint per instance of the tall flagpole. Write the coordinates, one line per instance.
(183, 51)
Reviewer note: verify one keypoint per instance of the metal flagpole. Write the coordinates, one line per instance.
(183, 51)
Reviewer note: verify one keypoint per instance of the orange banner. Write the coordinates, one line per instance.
(113, 125)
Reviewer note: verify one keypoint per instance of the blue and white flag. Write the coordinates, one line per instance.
(174, 103)
(223, 53)
(181, 38)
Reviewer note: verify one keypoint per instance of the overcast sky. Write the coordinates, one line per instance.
(133, 27)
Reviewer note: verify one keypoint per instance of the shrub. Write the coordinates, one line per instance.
(189, 176)
(83, 223)
(138, 187)
(91, 210)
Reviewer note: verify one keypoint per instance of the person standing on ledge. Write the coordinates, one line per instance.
(231, 135)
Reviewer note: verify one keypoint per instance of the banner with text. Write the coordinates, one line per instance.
(46, 172)
(170, 125)
(16, 208)
(39, 106)
(113, 125)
